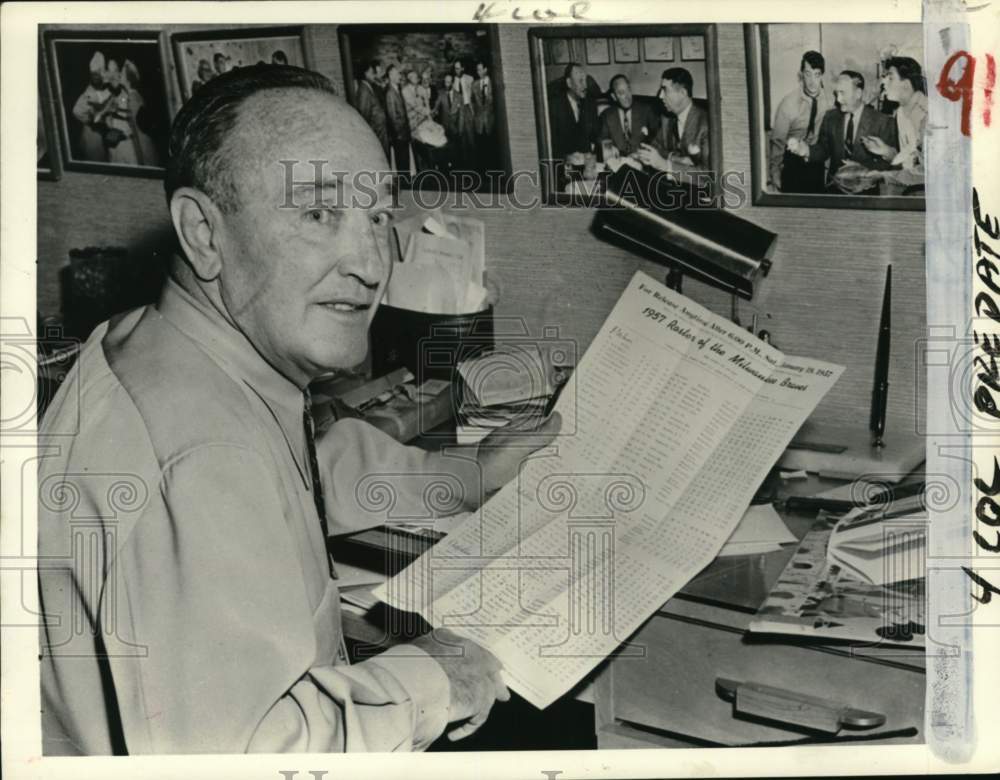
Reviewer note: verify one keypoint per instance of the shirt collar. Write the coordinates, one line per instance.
(683, 115)
(237, 356)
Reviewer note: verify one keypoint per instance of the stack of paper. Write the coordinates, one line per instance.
(512, 384)
(444, 265)
(882, 545)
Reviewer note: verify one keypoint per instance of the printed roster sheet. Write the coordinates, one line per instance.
(675, 417)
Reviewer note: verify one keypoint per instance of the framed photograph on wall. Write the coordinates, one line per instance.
(110, 100)
(597, 51)
(811, 83)
(49, 165)
(434, 96)
(626, 50)
(582, 137)
(692, 47)
(201, 56)
(658, 48)
(558, 51)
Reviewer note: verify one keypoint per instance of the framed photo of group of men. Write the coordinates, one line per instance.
(433, 94)
(838, 115)
(654, 106)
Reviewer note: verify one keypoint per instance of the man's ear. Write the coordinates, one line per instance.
(198, 225)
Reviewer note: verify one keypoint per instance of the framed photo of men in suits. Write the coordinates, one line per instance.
(838, 114)
(640, 108)
(433, 94)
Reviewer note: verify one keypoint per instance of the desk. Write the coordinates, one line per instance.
(666, 696)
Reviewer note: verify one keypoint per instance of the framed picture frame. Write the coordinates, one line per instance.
(434, 96)
(658, 48)
(201, 55)
(692, 48)
(558, 51)
(860, 178)
(598, 52)
(574, 163)
(49, 162)
(110, 99)
(626, 50)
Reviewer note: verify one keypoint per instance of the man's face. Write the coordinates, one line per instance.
(481, 70)
(394, 76)
(96, 79)
(220, 63)
(413, 77)
(304, 268)
(674, 96)
(577, 82)
(448, 81)
(893, 85)
(812, 79)
(623, 94)
(458, 68)
(379, 71)
(847, 94)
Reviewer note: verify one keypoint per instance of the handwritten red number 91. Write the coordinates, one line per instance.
(962, 89)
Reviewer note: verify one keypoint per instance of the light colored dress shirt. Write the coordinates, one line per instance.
(682, 120)
(183, 571)
(791, 120)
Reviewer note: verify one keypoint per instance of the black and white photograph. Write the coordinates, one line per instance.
(433, 95)
(202, 55)
(629, 427)
(838, 114)
(111, 100)
(595, 115)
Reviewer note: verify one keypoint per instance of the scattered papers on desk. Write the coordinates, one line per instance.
(363, 597)
(510, 384)
(443, 268)
(882, 545)
(815, 597)
(761, 530)
(349, 576)
(679, 415)
(510, 373)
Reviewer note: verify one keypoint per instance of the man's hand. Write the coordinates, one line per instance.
(799, 147)
(878, 147)
(501, 453)
(473, 675)
(648, 155)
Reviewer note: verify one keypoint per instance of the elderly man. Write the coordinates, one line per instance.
(190, 601)
(627, 123)
(843, 132)
(572, 115)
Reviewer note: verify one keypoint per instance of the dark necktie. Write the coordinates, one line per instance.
(486, 92)
(317, 488)
(849, 137)
(812, 118)
(675, 139)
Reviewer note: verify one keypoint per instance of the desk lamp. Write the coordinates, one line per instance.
(666, 222)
